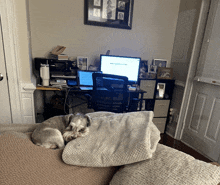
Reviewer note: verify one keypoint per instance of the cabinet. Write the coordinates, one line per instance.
(157, 103)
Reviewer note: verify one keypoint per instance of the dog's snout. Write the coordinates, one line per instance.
(74, 129)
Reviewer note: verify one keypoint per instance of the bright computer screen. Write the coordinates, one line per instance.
(119, 65)
(85, 77)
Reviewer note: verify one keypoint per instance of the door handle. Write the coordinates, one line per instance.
(1, 77)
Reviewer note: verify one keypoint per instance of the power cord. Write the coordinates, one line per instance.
(72, 106)
(65, 104)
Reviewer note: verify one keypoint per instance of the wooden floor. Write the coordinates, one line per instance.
(169, 141)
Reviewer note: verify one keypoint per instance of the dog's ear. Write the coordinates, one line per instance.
(88, 120)
(67, 118)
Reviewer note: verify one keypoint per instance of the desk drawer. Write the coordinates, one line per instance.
(160, 123)
(161, 108)
(148, 86)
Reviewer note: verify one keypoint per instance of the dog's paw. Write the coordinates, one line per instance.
(69, 136)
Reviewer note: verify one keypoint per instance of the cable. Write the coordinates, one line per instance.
(65, 104)
(72, 106)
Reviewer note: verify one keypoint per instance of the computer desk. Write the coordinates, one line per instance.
(69, 89)
(141, 92)
(142, 96)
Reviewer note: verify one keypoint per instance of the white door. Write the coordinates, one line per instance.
(202, 127)
(5, 110)
(202, 123)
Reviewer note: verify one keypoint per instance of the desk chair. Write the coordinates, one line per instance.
(109, 93)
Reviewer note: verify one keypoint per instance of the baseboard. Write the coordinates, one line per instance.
(167, 133)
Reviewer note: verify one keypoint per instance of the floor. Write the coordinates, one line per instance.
(169, 141)
(171, 128)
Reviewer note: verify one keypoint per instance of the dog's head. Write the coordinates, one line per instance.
(76, 125)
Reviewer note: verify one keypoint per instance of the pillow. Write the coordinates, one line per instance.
(114, 140)
(168, 167)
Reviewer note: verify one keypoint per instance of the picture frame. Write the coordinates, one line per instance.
(152, 69)
(160, 63)
(82, 63)
(150, 75)
(152, 72)
(143, 69)
(165, 73)
(109, 13)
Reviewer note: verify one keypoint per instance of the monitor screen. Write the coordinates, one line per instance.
(85, 77)
(119, 65)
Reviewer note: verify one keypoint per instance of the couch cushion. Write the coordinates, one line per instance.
(17, 127)
(22, 162)
(168, 167)
(26, 135)
(114, 140)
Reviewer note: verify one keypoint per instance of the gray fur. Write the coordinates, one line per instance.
(49, 134)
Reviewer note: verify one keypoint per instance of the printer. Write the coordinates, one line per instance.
(60, 70)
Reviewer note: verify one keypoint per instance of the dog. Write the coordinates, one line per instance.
(54, 132)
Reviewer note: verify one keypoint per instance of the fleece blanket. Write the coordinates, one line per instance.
(114, 139)
(168, 166)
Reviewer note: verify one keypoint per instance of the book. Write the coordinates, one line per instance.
(59, 57)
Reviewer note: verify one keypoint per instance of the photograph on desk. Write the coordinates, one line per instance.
(147, 70)
(160, 62)
(152, 72)
(165, 73)
(82, 63)
(143, 69)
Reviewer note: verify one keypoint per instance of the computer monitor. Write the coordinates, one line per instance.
(121, 65)
(85, 77)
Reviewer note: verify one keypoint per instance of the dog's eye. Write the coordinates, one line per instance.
(82, 130)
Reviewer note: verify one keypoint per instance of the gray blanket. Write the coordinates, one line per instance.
(114, 140)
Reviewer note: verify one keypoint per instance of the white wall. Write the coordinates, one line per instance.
(55, 22)
(22, 41)
(18, 60)
(184, 37)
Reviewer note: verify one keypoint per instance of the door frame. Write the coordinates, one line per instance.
(200, 37)
(205, 5)
(8, 20)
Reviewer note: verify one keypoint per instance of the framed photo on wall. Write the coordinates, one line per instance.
(165, 73)
(160, 62)
(109, 13)
(82, 63)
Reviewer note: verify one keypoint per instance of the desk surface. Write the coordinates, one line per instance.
(59, 89)
(48, 88)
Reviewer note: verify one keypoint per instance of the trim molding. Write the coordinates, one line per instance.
(180, 83)
(9, 35)
(207, 80)
(201, 26)
(21, 94)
